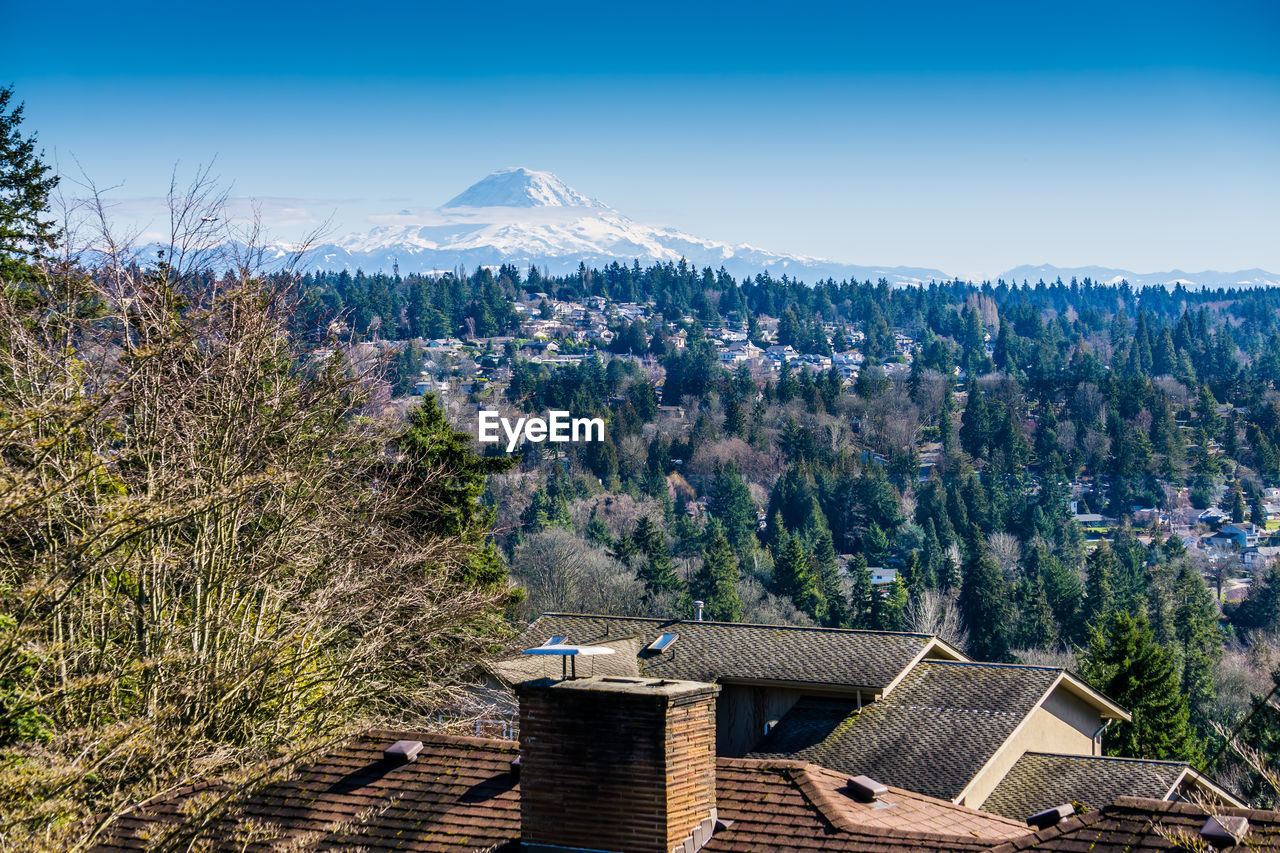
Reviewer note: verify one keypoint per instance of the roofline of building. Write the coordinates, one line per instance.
(1074, 684)
(810, 628)
(934, 643)
(1188, 772)
(1199, 779)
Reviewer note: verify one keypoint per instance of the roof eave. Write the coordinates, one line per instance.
(1110, 710)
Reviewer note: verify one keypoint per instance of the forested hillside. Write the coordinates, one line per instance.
(1040, 471)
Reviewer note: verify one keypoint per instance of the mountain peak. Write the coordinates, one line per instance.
(520, 187)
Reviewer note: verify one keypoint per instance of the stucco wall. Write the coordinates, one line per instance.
(1064, 724)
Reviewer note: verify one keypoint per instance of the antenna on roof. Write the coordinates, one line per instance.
(568, 654)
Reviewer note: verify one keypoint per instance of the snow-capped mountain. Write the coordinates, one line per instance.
(521, 187)
(523, 217)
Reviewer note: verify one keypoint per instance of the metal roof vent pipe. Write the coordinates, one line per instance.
(402, 751)
(1223, 831)
(865, 789)
(1051, 817)
(697, 610)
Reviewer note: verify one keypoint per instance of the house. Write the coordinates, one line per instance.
(1236, 536)
(907, 709)
(781, 353)
(950, 729)
(762, 670)
(622, 765)
(881, 576)
(738, 352)
(1213, 517)
(616, 764)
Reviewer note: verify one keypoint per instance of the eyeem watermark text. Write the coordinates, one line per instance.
(557, 426)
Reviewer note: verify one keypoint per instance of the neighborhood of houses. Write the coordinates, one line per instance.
(467, 375)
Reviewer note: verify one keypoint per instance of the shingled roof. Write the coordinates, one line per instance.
(460, 795)
(933, 733)
(1040, 781)
(725, 651)
(1132, 824)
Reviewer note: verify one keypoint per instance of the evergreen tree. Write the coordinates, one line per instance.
(1233, 502)
(1195, 625)
(891, 605)
(716, 583)
(1100, 579)
(731, 502)
(861, 595)
(1261, 609)
(793, 575)
(431, 442)
(1126, 664)
(984, 603)
(824, 557)
(658, 572)
(1036, 626)
(25, 185)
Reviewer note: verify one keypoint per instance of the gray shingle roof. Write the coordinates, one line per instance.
(718, 651)
(1040, 781)
(931, 734)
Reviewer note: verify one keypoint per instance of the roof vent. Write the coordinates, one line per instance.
(1051, 817)
(403, 751)
(1224, 831)
(865, 789)
(515, 766)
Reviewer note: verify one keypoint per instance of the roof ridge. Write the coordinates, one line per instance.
(811, 628)
(1183, 807)
(1120, 758)
(831, 798)
(994, 664)
(1032, 839)
(442, 738)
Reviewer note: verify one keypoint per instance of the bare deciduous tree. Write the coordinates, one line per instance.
(211, 549)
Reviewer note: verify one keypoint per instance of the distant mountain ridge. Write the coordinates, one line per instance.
(1109, 275)
(525, 217)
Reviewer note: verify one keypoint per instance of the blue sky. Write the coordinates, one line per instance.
(964, 136)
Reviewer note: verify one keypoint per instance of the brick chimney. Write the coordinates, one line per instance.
(626, 765)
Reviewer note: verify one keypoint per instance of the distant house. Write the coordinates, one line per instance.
(781, 352)
(1240, 536)
(881, 576)
(1213, 517)
(739, 351)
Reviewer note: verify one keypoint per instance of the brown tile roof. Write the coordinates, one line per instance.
(459, 796)
(1132, 824)
(1040, 781)
(719, 651)
(932, 733)
(793, 806)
